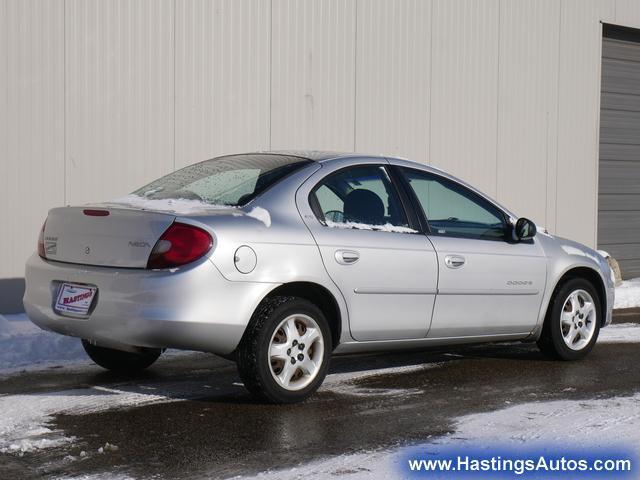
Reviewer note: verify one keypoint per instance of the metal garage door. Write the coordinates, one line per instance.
(619, 178)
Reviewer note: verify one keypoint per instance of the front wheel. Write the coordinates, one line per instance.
(573, 320)
(284, 354)
(121, 361)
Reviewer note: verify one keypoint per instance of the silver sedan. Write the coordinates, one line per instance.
(280, 259)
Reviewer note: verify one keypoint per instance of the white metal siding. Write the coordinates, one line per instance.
(222, 78)
(627, 12)
(464, 89)
(119, 95)
(527, 135)
(393, 73)
(578, 112)
(97, 98)
(32, 114)
(313, 74)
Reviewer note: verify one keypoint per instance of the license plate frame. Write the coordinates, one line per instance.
(75, 299)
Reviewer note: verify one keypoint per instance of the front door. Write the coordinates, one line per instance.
(386, 270)
(488, 284)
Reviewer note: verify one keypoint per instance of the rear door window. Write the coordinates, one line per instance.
(360, 197)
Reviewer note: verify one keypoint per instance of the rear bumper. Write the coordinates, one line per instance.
(193, 308)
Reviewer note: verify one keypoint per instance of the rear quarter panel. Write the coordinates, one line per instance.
(272, 227)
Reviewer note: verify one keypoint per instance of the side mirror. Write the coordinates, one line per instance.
(524, 229)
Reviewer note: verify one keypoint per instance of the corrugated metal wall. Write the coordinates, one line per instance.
(99, 97)
(619, 175)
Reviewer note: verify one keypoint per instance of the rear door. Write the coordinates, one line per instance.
(488, 284)
(385, 269)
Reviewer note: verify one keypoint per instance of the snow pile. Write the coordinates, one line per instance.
(178, 206)
(261, 215)
(387, 227)
(23, 344)
(628, 294)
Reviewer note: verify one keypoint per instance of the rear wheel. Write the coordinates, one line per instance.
(284, 354)
(572, 324)
(121, 361)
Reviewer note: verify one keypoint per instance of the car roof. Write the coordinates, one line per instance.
(315, 155)
(326, 156)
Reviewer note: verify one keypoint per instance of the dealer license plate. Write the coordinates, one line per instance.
(74, 299)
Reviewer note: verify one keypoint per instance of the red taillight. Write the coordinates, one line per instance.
(179, 244)
(41, 250)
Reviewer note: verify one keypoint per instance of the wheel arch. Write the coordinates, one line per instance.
(320, 297)
(593, 277)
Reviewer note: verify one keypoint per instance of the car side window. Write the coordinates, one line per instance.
(453, 210)
(361, 197)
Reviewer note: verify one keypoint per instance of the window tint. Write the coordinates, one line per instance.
(360, 197)
(453, 210)
(232, 180)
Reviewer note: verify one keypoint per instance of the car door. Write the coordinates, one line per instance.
(371, 249)
(488, 283)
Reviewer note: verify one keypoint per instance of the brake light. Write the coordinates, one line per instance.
(95, 213)
(41, 250)
(179, 244)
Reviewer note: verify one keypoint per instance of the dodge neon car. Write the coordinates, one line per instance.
(280, 259)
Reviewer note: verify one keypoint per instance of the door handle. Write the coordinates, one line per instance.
(454, 261)
(347, 257)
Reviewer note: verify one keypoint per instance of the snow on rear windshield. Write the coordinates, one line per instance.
(232, 180)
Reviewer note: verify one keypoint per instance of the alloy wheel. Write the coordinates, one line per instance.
(296, 352)
(578, 319)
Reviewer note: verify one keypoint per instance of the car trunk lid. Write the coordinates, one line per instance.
(103, 236)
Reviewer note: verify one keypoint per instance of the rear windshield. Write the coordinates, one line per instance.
(232, 180)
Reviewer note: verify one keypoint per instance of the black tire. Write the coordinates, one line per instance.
(253, 358)
(551, 341)
(121, 361)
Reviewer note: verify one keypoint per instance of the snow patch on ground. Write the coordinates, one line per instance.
(179, 206)
(343, 382)
(620, 333)
(23, 344)
(101, 476)
(579, 423)
(387, 227)
(23, 424)
(261, 215)
(628, 294)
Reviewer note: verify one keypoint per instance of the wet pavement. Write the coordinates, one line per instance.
(211, 428)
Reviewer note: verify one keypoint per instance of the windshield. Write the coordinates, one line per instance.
(232, 180)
